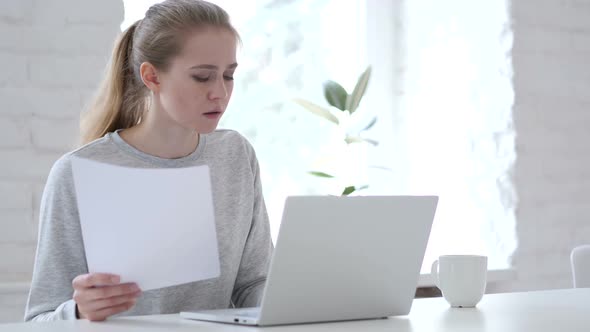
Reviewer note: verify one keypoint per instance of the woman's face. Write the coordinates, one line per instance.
(198, 84)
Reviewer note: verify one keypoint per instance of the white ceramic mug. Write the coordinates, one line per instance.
(461, 278)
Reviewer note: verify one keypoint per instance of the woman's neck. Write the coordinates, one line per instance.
(156, 139)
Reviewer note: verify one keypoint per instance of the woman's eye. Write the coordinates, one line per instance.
(228, 78)
(201, 78)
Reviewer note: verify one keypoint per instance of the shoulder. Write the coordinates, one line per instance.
(227, 136)
(230, 148)
(230, 141)
(93, 150)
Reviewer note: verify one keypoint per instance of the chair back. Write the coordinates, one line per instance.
(580, 260)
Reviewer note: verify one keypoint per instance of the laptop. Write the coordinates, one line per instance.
(340, 258)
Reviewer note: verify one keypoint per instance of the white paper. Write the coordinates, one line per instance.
(154, 227)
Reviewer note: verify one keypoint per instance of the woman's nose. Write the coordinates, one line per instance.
(219, 90)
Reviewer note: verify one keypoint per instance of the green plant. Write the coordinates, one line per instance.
(342, 106)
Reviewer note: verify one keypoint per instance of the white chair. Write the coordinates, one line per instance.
(580, 258)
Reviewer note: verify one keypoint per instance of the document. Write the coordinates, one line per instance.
(154, 227)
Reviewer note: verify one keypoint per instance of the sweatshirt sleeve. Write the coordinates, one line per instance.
(60, 253)
(257, 250)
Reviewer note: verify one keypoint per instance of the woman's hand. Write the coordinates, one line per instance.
(100, 295)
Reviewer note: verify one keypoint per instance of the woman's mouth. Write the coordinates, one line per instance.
(213, 114)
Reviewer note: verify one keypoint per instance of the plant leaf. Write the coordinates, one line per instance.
(348, 190)
(383, 168)
(321, 174)
(371, 141)
(354, 99)
(335, 94)
(371, 124)
(357, 139)
(317, 110)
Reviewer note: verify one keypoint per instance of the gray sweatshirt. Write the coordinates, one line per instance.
(241, 219)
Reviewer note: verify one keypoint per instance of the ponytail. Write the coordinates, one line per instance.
(121, 98)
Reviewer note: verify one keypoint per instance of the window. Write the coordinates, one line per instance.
(289, 49)
(441, 89)
(452, 118)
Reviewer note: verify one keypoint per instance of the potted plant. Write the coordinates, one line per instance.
(342, 113)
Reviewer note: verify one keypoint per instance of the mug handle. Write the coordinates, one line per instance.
(434, 272)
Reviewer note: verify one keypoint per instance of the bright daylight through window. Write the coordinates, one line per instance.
(449, 133)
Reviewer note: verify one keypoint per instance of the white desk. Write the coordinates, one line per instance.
(565, 310)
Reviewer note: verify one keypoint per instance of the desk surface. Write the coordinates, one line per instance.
(555, 310)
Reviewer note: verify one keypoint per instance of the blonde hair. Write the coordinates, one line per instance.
(122, 98)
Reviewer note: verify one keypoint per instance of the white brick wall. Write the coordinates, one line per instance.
(552, 117)
(14, 132)
(15, 11)
(14, 70)
(54, 134)
(52, 55)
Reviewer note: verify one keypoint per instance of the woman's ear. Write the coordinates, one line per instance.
(149, 76)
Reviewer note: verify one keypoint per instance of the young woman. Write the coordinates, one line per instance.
(169, 81)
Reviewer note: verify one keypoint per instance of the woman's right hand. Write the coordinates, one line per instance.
(100, 295)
